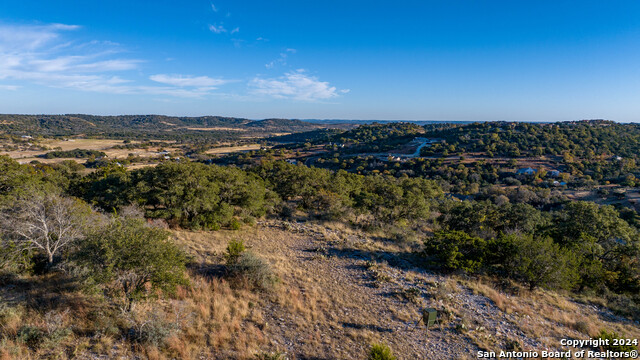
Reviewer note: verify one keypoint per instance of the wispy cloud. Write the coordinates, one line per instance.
(42, 54)
(214, 8)
(217, 29)
(9, 87)
(51, 56)
(188, 81)
(281, 60)
(82, 64)
(235, 30)
(296, 85)
(24, 37)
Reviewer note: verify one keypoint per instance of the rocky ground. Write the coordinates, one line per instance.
(347, 290)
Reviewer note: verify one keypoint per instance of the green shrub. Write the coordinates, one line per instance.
(541, 262)
(455, 250)
(249, 220)
(31, 336)
(380, 352)
(611, 336)
(35, 337)
(271, 356)
(133, 259)
(235, 224)
(235, 248)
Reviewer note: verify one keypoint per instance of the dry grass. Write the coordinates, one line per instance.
(549, 316)
(104, 145)
(218, 128)
(231, 149)
(324, 307)
(208, 319)
(88, 144)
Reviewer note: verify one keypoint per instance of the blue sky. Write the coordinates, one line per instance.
(411, 60)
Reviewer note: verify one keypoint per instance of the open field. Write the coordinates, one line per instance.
(232, 149)
(105, 145)
(217, 128)
(88, 144)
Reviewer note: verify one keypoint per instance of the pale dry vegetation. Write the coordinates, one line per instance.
(339, 291)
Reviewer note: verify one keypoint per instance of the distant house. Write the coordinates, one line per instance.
(26, 137)
(553, 173)
(163, 153)
(618, 158)
(292, 161)
(526, 171)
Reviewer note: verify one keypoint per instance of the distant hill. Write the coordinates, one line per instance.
(149, 125)
(284, 125)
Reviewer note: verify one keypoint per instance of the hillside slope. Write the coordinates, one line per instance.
(343, 290)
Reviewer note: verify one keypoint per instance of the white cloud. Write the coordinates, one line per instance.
(64, 27)
(80, 64)
(217, 29)
(235, 30)
(187, 80)
(24, 37)
(295, 85)
(9, 87)
(214, 8)
(281, 60)
(33, 53)
(39, 54)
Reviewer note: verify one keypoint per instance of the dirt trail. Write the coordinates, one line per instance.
(346, 308)
(343, 290)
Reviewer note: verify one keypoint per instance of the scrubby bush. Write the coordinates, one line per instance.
(255, 270)
(380, 352)
(610, 336)
(36, 337)
(31, 336)
(152, 330)
(541, 262)
(271, 356)
(455, 250)
(235, 248)
(235, 224)
(535, 261)
(130, 258)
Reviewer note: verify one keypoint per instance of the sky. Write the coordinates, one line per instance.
(404, 60)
